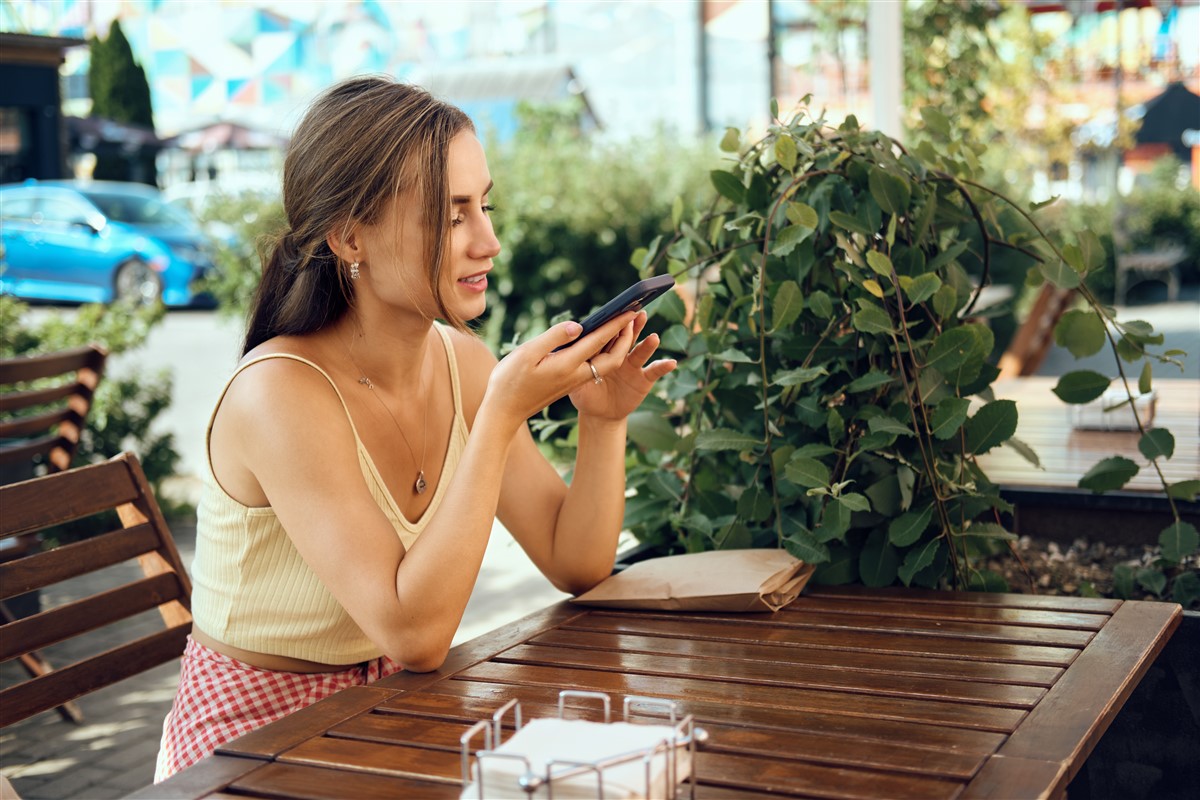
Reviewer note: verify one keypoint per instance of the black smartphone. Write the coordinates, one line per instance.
(634, 298)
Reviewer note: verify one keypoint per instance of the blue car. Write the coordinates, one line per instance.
(97, 242)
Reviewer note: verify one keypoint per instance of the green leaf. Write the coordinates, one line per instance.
(648, 429)
(1185, 590)
(726, 439)
(922, 288)
(945, 302)
(785, 152)
(989, 530)
(798, 376)
(1152, 580)
(1025, 451)
(991, 425)
(948, 416)
(1184, 490)
(1081, 332)
(850, 223)
(820, 304)
(855, 501)
(731, 140)
(1157, 443)
(787, 305)
(879, 262)
(1111, 473)
(872, 286)
(806, 472)
(908, 527)
(803, 214)
(889, 190)
(754, 504)
(787, 239)
(1059, 273)
(804, 546)
(987, 581)
(936, 121)
(1178, 541)
(1081, 386)
(728, 185)
(835, 521)
(1091, 250)
(873, 379)
(879, 561)
(951, 349)
(872, 319)
(1123, 581)
(918, 559)
(883, 424)
(733, 356)
(1145, 379)
(676, 211)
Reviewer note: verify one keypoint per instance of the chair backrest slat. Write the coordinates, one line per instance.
(78, 371)
(112, 666)
(72, 619)
(137, 532)
(24, 427)
(52, 566)
(79, 493)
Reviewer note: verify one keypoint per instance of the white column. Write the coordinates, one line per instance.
(885, 43)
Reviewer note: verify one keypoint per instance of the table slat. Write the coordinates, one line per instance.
(866, 662)
(269, 741)
(979, 717)
(834, 677)
(814, 780)
(350, 756)
(879, 642)
(278, 780)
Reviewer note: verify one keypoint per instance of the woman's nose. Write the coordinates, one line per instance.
(485, 244)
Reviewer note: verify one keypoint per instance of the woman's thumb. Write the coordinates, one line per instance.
(562, 334)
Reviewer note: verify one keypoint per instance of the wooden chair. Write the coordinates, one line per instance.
(1035, 337)
(141, 532)
(42, 423)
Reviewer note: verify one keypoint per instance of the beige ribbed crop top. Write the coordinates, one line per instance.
(251, 588)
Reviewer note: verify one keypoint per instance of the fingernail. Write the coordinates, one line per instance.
(573, 328)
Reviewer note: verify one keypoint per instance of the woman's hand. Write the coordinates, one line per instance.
(533, 375)
(625, 378)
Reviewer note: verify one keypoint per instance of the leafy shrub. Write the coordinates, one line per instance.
(833, 393)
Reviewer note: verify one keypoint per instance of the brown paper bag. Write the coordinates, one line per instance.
(718, 580)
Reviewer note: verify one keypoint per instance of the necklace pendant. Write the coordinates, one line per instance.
(419, 486)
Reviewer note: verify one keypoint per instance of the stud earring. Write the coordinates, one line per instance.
(354, 273)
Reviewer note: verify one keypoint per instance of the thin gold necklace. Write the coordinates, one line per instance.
(419, 485)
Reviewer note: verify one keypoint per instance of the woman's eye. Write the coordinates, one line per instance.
(456, 220)
(488, 208)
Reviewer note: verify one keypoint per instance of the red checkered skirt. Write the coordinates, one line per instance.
(221, 698)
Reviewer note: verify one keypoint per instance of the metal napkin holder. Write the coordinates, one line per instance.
(685, 734)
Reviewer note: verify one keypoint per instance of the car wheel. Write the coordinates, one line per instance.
(137, 283)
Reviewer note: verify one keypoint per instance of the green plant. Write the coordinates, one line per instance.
(833, 391)
(120, 92)
(253, 221)
(125, 408)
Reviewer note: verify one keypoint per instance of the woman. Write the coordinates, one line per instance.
(360, 452)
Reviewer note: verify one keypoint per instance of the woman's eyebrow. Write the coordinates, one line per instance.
(459, 199)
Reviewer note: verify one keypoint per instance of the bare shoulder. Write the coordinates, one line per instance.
(475, 363)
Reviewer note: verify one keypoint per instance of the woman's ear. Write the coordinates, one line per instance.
(344, 242)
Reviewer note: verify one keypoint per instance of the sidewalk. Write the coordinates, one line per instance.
(112, 753)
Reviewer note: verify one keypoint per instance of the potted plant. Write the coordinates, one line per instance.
(833, 388)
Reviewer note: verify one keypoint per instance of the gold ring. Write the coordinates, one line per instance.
(595, 375)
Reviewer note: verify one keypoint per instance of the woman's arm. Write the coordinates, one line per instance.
(409, 603)
(571, 533)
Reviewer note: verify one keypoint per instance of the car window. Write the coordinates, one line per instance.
(19, 207)
(63, 211)
(138, 210)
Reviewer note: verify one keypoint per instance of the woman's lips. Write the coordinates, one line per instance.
(475, 283)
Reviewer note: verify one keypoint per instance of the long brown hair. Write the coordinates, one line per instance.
(362, 142)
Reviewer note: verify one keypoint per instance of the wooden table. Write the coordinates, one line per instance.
(1049, 501)
(847, 693)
